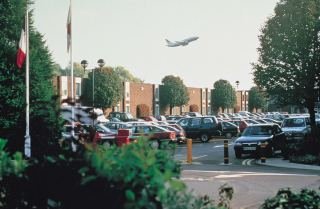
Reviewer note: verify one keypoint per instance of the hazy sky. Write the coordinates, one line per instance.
(132, 33)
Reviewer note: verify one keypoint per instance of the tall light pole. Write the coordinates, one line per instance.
(237, 84)
(84, 64)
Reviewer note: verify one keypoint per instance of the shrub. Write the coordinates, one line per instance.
(133, 176)
(285, 198)
(143, 110)
(194, 108)
(12, 169)
(305, 159)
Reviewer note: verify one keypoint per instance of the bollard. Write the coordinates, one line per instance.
(189, 150)
(263, 147)
(226, 152)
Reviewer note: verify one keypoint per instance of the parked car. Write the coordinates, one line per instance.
(202, 128)
(115, 126)
(158, 136)
(86, 133)
(254, 135)
(122, 116)
(180, 133)
(241, 124)
(149, 118)
(228, 129)
(296, 128)
(270, 120)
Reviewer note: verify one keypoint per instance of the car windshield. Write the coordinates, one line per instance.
(257, 130)
(293, 122)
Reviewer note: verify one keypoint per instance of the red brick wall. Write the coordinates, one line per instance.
(141, 93)
(195, 98)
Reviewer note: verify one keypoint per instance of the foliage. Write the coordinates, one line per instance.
(143, 110)
(43, 107)
(305, 159)
(256, 99)
(194, 108)
(125, 75)
(173, 92)
(223, 95)
(78, 71)
(289, 54)
(285, 198)
(107, 88)
(131, 176)
(12, 168)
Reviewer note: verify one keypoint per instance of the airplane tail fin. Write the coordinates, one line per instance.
(168, 42)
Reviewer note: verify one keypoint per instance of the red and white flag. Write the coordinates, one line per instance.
(69, 29)
(21, 55)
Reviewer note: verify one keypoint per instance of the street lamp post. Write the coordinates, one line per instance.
(84, 64)
(237, 84)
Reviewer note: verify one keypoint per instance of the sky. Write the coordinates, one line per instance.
(132, 33)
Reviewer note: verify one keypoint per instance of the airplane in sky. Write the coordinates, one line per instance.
(184, 42)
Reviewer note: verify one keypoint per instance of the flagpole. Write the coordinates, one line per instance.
(72, 76)
(27, 142)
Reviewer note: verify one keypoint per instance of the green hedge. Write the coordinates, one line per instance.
(131, 177)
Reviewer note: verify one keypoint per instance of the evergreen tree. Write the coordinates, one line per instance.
(44, 116)
(108, 88)
(256, 99)
(223, 95)
(173, 92)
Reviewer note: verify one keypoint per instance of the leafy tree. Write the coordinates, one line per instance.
(288, 67)
(78, 71)
(223, 95)
(125, 75)
(108, 88)
(256, 99)
(44, 116)
(173, 92)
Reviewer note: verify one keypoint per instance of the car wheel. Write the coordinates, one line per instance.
(228, 135)
(238, 154)
(270, 152)
(154, 144)
(204, 138)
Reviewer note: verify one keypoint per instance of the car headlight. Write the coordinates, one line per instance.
(237, 144)
(260, 143)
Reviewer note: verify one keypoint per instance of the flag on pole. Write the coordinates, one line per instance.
(21, 55)
(69, 29)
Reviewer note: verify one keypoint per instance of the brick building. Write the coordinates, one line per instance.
(135, 94)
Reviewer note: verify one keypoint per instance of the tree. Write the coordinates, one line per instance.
(223, 95)
(125, 75)
(78, 71)
(173, 92)
(288, 67)
(256, 99)
(107, 88)
(44, 111)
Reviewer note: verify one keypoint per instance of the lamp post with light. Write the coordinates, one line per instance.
(84, 64)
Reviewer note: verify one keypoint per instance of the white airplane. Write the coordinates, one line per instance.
(181, 43)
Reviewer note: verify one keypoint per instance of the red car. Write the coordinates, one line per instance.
(180, 133)
(241, 124)
(158, 136)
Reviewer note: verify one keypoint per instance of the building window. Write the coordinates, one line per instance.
(157, 93)
(127, 108)
(157, 110)
(78, 89)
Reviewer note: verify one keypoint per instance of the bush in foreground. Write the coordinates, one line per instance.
(285, 198)
(131, 177)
